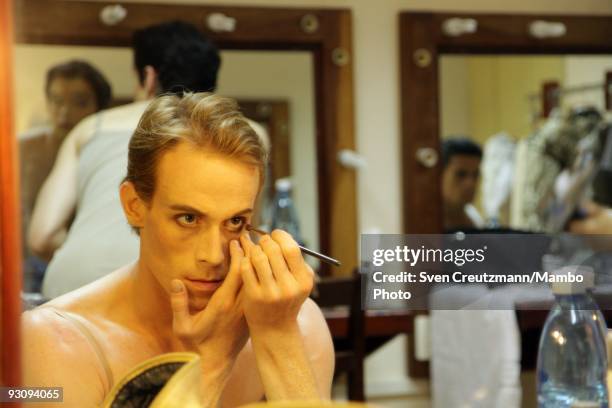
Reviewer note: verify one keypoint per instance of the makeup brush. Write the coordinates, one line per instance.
(305, 250)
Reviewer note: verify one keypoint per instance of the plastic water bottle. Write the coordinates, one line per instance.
(284, 215)
(572, 363)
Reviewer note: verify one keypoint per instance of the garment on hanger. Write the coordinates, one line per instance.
(497, 170)
(542, 158)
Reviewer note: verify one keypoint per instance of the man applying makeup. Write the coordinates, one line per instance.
(195, 167)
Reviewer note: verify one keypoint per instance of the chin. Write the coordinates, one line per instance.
(198, 303)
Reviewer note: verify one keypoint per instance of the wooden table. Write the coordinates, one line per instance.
(378, 323)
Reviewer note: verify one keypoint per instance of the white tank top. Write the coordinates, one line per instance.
(100, 239)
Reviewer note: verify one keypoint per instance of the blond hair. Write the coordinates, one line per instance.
(203, 119)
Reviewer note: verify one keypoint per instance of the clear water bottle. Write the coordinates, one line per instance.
(572, 363)
(284, 215)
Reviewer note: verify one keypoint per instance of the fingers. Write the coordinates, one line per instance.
(293, 255)
(577, 227)
(233, 280)
(260, 263)
(180, 308)
(591, 208)
(277, 261)
(262, 267)
(583, 227)
(247, 244)
(251, 283)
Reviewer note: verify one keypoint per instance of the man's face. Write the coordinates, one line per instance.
(460, 180)
(69, 100)
(202, 200)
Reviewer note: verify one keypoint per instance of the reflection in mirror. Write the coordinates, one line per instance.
(521, 136)
(277, 93)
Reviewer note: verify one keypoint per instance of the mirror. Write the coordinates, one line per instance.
(497, 104)
(515, 60)
(436, 52)
(276, 80)
(291, 90)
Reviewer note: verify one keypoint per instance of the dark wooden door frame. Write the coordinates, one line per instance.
(422, 42)
(10, 230)
(327, 33)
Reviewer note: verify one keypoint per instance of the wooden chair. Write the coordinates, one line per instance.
(350, 351)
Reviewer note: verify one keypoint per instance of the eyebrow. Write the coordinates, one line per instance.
(187, 208)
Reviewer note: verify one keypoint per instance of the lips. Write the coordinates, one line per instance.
(201, 285)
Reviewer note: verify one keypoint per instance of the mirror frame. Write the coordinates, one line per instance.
(327, 33)
(422, 42)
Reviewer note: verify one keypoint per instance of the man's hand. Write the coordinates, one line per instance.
(598, 221)
(277, 281)
(219, 332)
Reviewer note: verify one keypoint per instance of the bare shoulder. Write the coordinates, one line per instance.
(311, 317)
(53, 351)
(315, 331)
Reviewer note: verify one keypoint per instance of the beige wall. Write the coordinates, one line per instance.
(494, 91)
(584, 71)
(289, 76)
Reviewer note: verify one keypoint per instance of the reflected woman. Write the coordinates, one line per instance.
(73, 90)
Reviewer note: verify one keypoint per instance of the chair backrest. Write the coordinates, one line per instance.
(335, 291)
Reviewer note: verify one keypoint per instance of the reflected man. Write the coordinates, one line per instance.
(73, 90)
(461, 159)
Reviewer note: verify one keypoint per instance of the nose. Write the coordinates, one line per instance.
(62, 113)
(210, 247)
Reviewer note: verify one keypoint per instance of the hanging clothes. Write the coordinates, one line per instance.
(497, 174)
(540, 160)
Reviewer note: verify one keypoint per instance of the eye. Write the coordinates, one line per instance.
(81, 103)
(187, 220)
(236, 223)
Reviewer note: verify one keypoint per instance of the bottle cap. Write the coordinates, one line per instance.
(283, 184)
(573, 279)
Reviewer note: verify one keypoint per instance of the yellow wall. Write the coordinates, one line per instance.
(494, 91)
(500, 88)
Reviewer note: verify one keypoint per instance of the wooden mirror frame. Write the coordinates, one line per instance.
(422, 42)
(327, 33)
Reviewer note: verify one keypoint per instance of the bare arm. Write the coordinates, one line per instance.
(57, 198)
(55, 354)
(290, 360)
(245, 384)
(277, 282)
